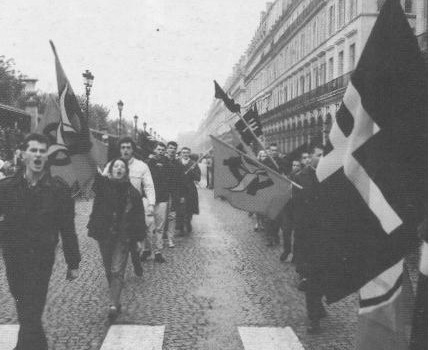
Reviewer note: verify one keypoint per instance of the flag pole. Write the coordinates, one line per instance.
(198, 160)
(258, 140)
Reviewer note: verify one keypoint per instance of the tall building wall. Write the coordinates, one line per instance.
(298, 65)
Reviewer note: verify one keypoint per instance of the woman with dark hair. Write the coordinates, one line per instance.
(116, 222)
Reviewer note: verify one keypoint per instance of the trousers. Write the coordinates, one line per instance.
(114, 252)
(28, 270)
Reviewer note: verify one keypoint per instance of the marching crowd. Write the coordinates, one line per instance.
(297, 223)
(137, 203)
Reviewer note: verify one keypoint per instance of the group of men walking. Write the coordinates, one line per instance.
(35, 208)
(299, 224)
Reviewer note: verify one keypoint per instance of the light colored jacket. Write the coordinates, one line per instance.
(140, 178)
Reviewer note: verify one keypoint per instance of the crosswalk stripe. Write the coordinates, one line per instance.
(8, 336)
(269, 338)
(133, 337)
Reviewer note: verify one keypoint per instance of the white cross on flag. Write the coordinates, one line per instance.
(374, 179)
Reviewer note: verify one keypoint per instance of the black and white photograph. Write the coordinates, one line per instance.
(214, 175)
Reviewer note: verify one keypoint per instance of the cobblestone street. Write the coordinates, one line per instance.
(219, 278)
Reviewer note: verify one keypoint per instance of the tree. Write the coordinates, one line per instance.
(11, 86)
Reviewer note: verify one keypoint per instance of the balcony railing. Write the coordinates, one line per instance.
(310, 97)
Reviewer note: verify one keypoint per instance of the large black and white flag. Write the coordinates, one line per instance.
(374, 179)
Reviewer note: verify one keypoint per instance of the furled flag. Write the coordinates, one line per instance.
(374, 179)
(229, 102)
(74, 154)
(250, 121)
(246, 183)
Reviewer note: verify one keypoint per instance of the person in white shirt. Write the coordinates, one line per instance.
(141, 179)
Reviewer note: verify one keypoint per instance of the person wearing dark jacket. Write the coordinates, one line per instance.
(166, 188)
(191, 173)
(117, 223)
(34, 209)
(179, 187)
(306, 225)
(277, 164)
(287, 218)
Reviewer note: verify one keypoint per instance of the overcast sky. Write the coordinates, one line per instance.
(158, 56)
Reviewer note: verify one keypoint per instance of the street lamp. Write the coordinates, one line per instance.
(135, 126)
(88, 82)
(144, 127)
(120, 107)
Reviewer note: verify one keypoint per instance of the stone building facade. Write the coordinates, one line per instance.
(298, 65)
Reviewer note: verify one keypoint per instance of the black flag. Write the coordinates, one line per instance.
(374, 180)
(252, 122)
(229, 102)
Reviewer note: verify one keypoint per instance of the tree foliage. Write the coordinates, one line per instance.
(10, 84)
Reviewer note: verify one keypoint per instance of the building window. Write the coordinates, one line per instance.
(302, 85)
(308, 82)
(352, 8)
(302, 45)
(352, 57)
(322, 74)
(314, 35)
(340, 63)
(315, 77)
(331, 20)
(341, 17)
(330, 69)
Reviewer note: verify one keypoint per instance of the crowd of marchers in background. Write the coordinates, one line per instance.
(10, 139)
(295, 222)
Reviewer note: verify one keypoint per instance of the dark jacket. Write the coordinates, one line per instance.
(163, 175)
(191, 195)
(305, 200)
(36, 216)
(178, 190)
(106, 203)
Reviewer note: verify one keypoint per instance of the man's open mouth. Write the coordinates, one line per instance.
(38, 162)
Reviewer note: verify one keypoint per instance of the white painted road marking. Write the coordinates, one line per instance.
(8, 336)
(132, 337)
(269, 338)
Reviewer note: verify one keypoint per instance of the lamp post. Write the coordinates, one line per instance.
(120, 107)
(88, 82)
(144, 127)
(135, 126)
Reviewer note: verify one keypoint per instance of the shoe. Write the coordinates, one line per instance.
(283, 256)
(303, 285)
(314, 327)
(171, 244)
(114, 312)
(138, 271)
(145, 255)
(159, 258)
